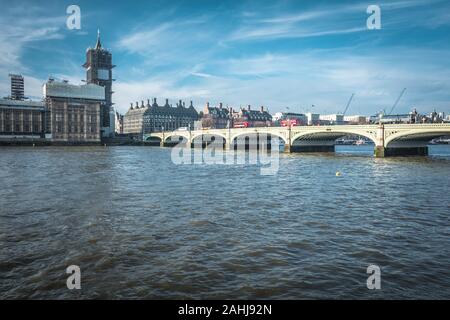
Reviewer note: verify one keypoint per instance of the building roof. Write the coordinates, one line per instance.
(21, 103)
(98, 45)
(180, 110)
(216, 112)
(255, 114)
(88, 91)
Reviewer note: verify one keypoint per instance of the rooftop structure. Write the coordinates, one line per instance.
(65, 90)
(21, 104)
(332, 118)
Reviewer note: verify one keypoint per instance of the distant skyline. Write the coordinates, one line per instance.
(280, 54)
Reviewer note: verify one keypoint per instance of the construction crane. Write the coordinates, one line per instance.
(348, 104)
(397, 101)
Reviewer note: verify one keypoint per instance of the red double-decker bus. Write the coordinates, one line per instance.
(293, 122)
(243, 124)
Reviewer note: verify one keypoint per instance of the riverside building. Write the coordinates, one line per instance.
(147, 118)
(251, 118)
(118, 119)
(216, 117)
(21, 120)
(73, 112)
(221, 118)
(356, 119)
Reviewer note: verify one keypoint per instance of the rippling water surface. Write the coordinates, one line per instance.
(142, 227)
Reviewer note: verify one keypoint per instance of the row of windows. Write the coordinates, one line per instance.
(21, 129)
(89, 118)
(73, 129)
(18, 115)
(19, 122)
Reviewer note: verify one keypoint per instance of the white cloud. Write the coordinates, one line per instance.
(18, 28)
(338, 19)
(321, 78)
(190, 59)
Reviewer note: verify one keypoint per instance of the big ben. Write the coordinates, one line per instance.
(99, 71)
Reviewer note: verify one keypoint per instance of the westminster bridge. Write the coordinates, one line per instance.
(389, 139)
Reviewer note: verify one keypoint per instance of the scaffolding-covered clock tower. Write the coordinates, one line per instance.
(99, 71)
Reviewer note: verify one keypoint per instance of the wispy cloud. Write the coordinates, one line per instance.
(247, 53)
(335, 20)
(19, 30)
(165, 42)
(324, 78)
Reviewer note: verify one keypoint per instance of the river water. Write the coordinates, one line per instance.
(142, 227)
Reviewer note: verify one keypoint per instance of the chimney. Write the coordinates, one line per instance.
(191, 104)
(181, 103)
(207, 104)
(249, 107)
(220, 105)
(262, 108)
(142, 103)
(167, 102)
(137, 104)
(184, 105)
(148, 102)
(154, 100)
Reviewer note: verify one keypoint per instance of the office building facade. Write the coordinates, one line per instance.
(73, 112)
(21, 120)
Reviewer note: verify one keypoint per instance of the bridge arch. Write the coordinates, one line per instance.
(416, 137)
(331, 135)
(152, 138)
(211, 134)
(180, 134)
(259, 132)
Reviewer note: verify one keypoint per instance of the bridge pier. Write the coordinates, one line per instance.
(312, 148)
(382, 152)
(308, 148)
(228, 146)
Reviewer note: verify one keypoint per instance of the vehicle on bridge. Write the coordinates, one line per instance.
(243, 124)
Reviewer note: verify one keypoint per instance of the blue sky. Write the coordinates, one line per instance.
(278, 54)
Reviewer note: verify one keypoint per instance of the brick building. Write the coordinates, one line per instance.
(216, 117)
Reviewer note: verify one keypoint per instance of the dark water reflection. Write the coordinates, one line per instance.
(142, 227)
